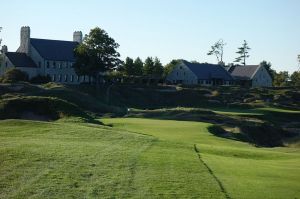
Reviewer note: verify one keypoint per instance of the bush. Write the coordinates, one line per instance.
(40, 79)
(14, 75)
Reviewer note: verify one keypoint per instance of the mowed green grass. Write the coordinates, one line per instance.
(77, 160)
(139, 158)
(67, 160)
(243, 170)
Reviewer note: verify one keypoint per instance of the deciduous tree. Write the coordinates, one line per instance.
(97, 54)
(218, 50)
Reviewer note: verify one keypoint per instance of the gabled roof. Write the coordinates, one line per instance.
(208, 71)
(55, 49)
(244, 72)
(20, 59)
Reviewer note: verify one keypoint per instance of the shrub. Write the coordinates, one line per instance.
(40, 79)
(14, 75)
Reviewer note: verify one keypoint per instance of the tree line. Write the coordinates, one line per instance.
(97, 56)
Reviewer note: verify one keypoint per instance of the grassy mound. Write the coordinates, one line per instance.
(35, 107)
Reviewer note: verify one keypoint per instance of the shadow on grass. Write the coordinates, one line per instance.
(260, 135)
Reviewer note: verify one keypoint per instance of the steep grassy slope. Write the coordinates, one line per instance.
(241, 170)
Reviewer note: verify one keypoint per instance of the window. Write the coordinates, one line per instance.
(48, 64)
(67, 64)
(40, 64)
(72, 77)
(184, 73)
(54, 64)
(54, 78)
(180, 67)
(177, 73)
(66, 78)
(59, 78)
(78, 78)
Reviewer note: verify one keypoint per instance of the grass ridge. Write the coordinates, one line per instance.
(223, 190)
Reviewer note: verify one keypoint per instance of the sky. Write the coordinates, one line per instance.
(168, 29)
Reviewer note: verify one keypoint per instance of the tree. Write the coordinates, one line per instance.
(0, 38)
(158, 68)
(295, 78)
(138, 66)
(148, 66)
(268, 66)
(97, 54)
(218, 50)
(299, 62)
(129, 67)
(244, 53)
(281, 78)
(14, 75)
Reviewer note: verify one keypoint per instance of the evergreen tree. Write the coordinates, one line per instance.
(244, 53)
(129, 68)
(138, 67)
(148, 66)
(158, 68)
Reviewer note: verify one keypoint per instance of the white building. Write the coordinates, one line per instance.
(202, 74)
(251, 75)
(53, 58)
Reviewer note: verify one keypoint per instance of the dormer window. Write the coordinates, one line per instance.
(48, 64)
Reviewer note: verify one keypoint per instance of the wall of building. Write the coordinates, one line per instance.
(261, 78)
(7, 64)
(181, 74)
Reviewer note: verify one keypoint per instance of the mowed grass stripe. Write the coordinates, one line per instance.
(48, 163)
(245, 171)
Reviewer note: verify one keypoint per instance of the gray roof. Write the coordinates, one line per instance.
(20, 59)
(54, 49)
(244, 72)
(208, 71)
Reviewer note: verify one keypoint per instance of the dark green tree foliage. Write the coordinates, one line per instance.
(0, 38)
(281, 78)
(243, 53)
(129, 67)
(14, 75)
(218, 50)
(169, 67)
(148, 66)
(295, 78)
(158, 68)
(98, 53)
(138, 67)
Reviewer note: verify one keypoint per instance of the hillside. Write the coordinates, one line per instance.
(148, 142)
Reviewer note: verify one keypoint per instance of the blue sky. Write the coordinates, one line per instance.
(168, 29)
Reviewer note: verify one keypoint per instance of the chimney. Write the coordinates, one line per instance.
(77, 36)
(25, 40)
(4, 49)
